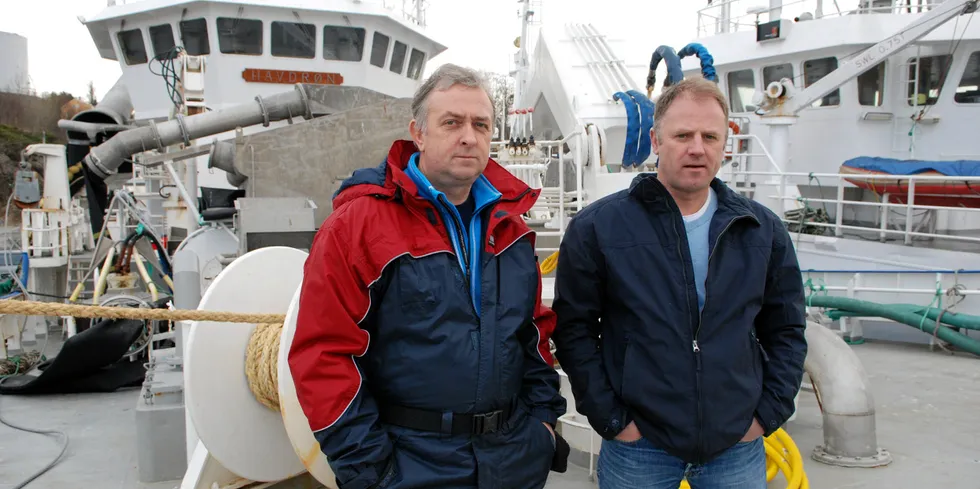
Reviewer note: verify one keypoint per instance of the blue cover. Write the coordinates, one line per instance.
(956, 168)
(647, 109)
(632, 132)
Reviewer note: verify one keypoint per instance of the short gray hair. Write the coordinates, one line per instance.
(443, 78)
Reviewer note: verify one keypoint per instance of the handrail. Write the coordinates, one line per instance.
(907, 231)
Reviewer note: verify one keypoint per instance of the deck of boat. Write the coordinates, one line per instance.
(926, 416)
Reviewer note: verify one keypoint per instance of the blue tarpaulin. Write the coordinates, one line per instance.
(954, 168)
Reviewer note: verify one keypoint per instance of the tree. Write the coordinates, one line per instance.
(91, 94)
(502, 93)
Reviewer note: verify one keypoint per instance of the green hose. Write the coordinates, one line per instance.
(953, 319)
(910, 315)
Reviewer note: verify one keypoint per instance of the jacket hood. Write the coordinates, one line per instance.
(389, 178)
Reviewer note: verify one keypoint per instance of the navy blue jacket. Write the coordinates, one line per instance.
(632, 341)
(386, 318)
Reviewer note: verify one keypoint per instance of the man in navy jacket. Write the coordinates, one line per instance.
(681, 313)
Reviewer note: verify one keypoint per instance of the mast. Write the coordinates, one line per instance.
(522, 56)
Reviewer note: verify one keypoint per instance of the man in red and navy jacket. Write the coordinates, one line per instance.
(421, 352)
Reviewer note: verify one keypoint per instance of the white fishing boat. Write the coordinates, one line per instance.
(234, 121)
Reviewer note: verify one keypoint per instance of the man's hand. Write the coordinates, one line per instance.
(550, 430)
(754, 432)
(630, 434)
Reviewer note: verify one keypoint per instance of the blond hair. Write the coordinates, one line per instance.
(697, 88)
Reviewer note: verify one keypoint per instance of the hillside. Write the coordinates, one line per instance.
(25, 120)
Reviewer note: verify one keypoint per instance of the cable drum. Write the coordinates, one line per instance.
(239, 391)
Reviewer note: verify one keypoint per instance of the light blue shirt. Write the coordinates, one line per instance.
(698, 226)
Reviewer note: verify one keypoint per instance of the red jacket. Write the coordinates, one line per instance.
(386, 318)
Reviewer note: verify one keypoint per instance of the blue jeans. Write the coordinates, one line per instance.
(640, 465)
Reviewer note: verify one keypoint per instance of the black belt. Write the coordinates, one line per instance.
(454, 423)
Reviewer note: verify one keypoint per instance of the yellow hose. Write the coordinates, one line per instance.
(781, 455)
(781, 452)
(549, 264)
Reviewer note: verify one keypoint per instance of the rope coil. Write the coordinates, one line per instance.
(261, 366)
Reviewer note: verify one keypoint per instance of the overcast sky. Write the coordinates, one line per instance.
(479, 33)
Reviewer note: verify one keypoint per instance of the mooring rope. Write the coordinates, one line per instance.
(261, 356)
(35, 308)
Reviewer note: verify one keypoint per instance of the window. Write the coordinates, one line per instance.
(379, 50)
(194, 37)
(415, 64)
(931, 76)
(813, 71)
(871, 86)
(344, 43)
(239, 36)
(398, 57)
(162, 40)
(968, 92)
(293, 40)
(775, 73)
(741, 89)
(131, 45)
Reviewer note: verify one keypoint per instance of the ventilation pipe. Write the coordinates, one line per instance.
(844, 395)
(105, 159)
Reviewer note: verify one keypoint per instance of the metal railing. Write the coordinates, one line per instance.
(712, 19)
(555, 202)
(906, 230)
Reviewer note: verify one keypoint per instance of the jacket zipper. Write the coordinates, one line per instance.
(694, 344)
(697, 351)
(458, 226)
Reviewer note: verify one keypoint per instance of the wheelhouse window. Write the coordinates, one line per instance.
(415, 64)
(132, 47)
(379, 49)
(813, 71)
(741, 89)
(342, 43)
(775, 73)
(162, 41)
(398, 57)
(929, 78)
(293, 40)
(968, 92)
(194, 37)
(871, 86)
(239, 36)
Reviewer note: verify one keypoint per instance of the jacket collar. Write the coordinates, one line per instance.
(482, 190)
(647, 188)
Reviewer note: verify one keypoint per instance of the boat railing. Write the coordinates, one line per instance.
(44, 236)
(734, 15)
(912, 217)
(556, 202)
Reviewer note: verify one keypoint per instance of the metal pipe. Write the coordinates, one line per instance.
(844, 394)
(104, 159)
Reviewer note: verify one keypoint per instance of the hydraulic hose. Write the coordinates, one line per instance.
(674, 71)
(904, 315)
(707, 61)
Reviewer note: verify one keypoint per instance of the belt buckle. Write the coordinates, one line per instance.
(487, 422)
